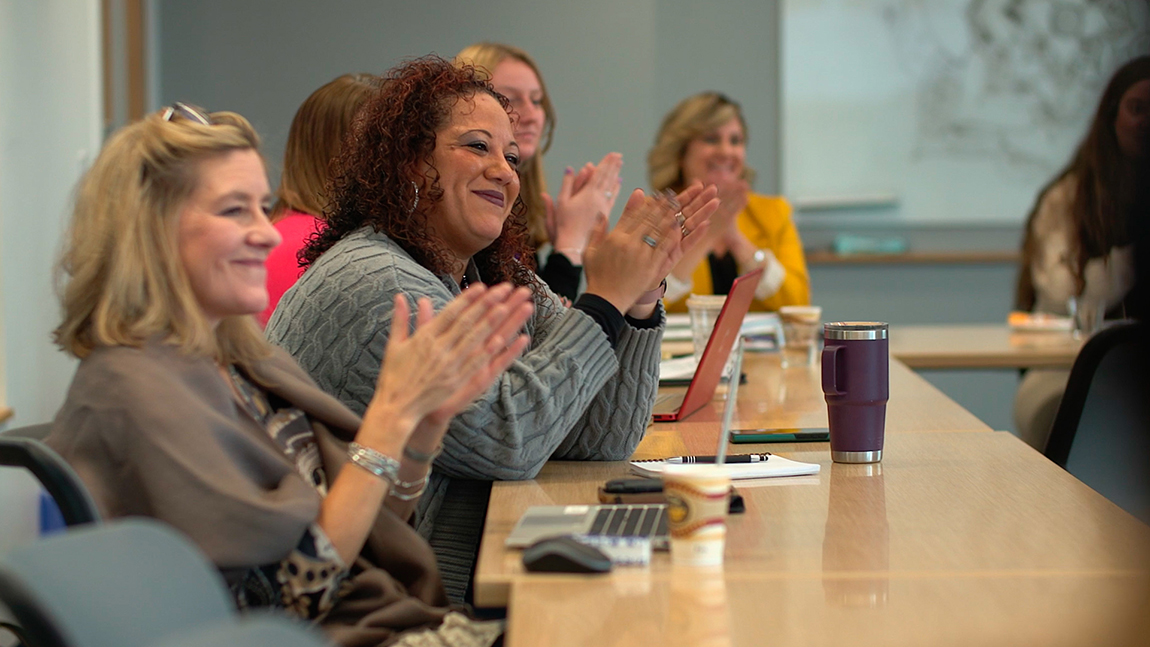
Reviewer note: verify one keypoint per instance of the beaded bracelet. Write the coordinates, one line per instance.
(421, 457)
(382, 466)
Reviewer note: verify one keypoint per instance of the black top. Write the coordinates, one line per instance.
(724, 271)
(560, 275)
(610, 319)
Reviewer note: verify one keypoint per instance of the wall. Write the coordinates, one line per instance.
(50, 105)
(613, 68)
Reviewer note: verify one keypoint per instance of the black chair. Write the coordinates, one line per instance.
(57, 477)
(128, 583)
(1101, 433)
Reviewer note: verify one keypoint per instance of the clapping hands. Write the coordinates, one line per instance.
(650, 237)
(583, 196)
(434, 372)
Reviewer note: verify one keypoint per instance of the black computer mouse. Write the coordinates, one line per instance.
(564, 555)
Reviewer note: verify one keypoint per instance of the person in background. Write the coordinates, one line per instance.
(316, 134)
(425, 203)
(1078, 236)
(566, 221)
(181, 411)
(704, 139)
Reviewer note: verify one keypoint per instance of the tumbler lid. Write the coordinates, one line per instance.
(855, 330)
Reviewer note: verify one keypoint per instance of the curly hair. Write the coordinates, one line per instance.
(377, 178)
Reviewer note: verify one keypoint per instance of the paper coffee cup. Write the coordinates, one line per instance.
(697, 501)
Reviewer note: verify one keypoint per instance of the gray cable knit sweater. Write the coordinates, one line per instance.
(570, 396)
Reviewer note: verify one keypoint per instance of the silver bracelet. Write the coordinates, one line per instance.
(407, 485)
(409, 496)
(421, 457)
(382, 466)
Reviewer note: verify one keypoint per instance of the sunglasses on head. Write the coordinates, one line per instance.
(187, 112)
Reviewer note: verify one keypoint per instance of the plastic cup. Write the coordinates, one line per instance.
(697, 500)
(704, 309)
(801, 331)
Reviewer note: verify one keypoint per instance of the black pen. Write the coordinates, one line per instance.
(737, 458)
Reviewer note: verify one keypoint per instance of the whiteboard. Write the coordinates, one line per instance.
(942, 110)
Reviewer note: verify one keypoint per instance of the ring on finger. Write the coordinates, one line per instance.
(650, 241)
(608, 194)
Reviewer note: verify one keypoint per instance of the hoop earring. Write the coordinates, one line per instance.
(416, 203)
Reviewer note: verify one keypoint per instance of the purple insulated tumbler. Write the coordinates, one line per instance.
(856, 383)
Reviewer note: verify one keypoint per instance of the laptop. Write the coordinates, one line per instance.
(672, 407)
(645, 520)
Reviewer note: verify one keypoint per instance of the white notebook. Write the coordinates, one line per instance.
(773, 466)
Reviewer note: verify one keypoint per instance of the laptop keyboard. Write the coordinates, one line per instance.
(630, 521)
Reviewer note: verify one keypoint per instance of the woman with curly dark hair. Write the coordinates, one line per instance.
(425, 200)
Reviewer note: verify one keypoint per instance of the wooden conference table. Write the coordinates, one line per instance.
(981, 346)
(965, 346)
(960, 536)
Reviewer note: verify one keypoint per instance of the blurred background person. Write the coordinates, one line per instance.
(1078, 237)
(565, 221)
(704, 139)
(316, 134)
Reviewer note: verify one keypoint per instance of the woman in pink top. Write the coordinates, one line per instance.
(317, 131)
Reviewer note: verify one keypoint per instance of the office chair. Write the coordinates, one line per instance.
(129, 583)
(55, 475)
(1101, 433)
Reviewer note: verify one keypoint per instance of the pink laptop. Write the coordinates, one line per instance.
(669, 407)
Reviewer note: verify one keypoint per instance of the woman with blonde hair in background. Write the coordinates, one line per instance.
(704, 139)
(567, 220)
(315, 137)
(181, 411)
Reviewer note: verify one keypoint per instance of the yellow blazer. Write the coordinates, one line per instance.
(766, 222)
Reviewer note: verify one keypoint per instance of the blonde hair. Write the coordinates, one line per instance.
(316, 135)
(120, 278)
(694, 117)
(532, 181)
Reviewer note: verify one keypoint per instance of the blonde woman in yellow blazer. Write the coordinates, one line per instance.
(703, 139)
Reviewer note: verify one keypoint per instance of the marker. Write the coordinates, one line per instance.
(738, 458)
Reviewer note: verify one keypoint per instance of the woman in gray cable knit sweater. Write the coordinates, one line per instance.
(424, 202)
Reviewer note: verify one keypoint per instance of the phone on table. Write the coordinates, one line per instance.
(787, 435)
(648, 490)
(632, 490)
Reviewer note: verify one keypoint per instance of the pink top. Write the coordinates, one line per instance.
(283, 267)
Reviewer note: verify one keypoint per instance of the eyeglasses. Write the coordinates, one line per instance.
(187, 112)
